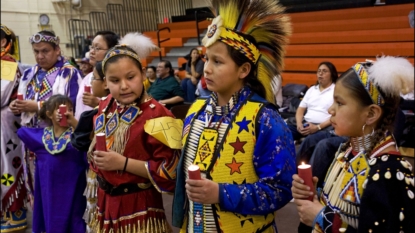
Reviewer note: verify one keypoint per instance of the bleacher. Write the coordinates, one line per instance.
(343, 36)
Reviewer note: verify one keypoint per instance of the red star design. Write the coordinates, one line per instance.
(234, 166)
(238, 146)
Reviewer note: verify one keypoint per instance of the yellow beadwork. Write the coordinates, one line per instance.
(368, 84)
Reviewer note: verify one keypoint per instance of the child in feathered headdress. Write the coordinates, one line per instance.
(369, 186)
(236, 137)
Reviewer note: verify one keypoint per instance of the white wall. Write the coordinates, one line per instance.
(22, 16)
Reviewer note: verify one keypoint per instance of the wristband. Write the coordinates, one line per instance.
(125, 165)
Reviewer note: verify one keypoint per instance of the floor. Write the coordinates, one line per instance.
(286, 218)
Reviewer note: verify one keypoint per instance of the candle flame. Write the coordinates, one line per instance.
(302, 163)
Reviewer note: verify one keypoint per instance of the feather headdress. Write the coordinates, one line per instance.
(140, 44)
(265, 22)
(392, 75)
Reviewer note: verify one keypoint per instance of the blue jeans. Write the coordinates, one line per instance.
(189, 90)
(309, 143)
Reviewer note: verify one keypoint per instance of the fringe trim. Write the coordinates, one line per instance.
(13, 194)
(121, 137)
(91, 196)
(151, 224)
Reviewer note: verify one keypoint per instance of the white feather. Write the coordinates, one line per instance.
(141, 44)
(394, 75)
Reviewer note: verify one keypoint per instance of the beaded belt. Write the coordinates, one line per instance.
(121, 189)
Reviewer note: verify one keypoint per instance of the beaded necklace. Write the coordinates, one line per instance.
(56, 146)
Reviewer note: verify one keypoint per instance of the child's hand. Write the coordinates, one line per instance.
(299, 189)
(72, 121)
(202, 191)
(109, 161)
(90, 100)
(308, 210)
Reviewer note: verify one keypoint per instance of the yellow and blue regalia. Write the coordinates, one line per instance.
(244, 146)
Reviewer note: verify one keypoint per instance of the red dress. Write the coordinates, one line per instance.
(140, 211)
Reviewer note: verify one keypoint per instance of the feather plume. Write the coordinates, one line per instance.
(393, 75)
(141, 44)
(265, 21)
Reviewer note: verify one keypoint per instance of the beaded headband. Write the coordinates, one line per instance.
(371, 89)
(118, 51)
(37, 38)
(5, 29)
(216, 32)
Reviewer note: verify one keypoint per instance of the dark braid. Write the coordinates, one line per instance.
(386, 122)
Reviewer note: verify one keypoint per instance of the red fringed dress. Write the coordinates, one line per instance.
(140, 211)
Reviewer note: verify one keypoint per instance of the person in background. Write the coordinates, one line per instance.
(137, 167)
(241, 145)
(13, 193)
(81, 138)
(85, 67)
(151, 76)
(312, 115)
(102, 42)
(98, 82)
(50, 76)
(369, 186)
(60, 171)
(194, 71)
(166, 89)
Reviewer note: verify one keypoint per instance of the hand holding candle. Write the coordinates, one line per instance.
(62, 110)
(101, 144)
(19, 96)
(304, 171)
(194, 172)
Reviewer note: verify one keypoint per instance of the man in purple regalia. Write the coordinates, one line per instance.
(51, 75)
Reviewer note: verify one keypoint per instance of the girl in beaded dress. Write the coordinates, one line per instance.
(60, 171)
(369, 186)
(138, 166)
(242, 146)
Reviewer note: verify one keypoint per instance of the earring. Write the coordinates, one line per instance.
(366, 139)
(363, 130)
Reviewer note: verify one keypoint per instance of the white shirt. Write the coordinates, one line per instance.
(80, 106)
(317, 104)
